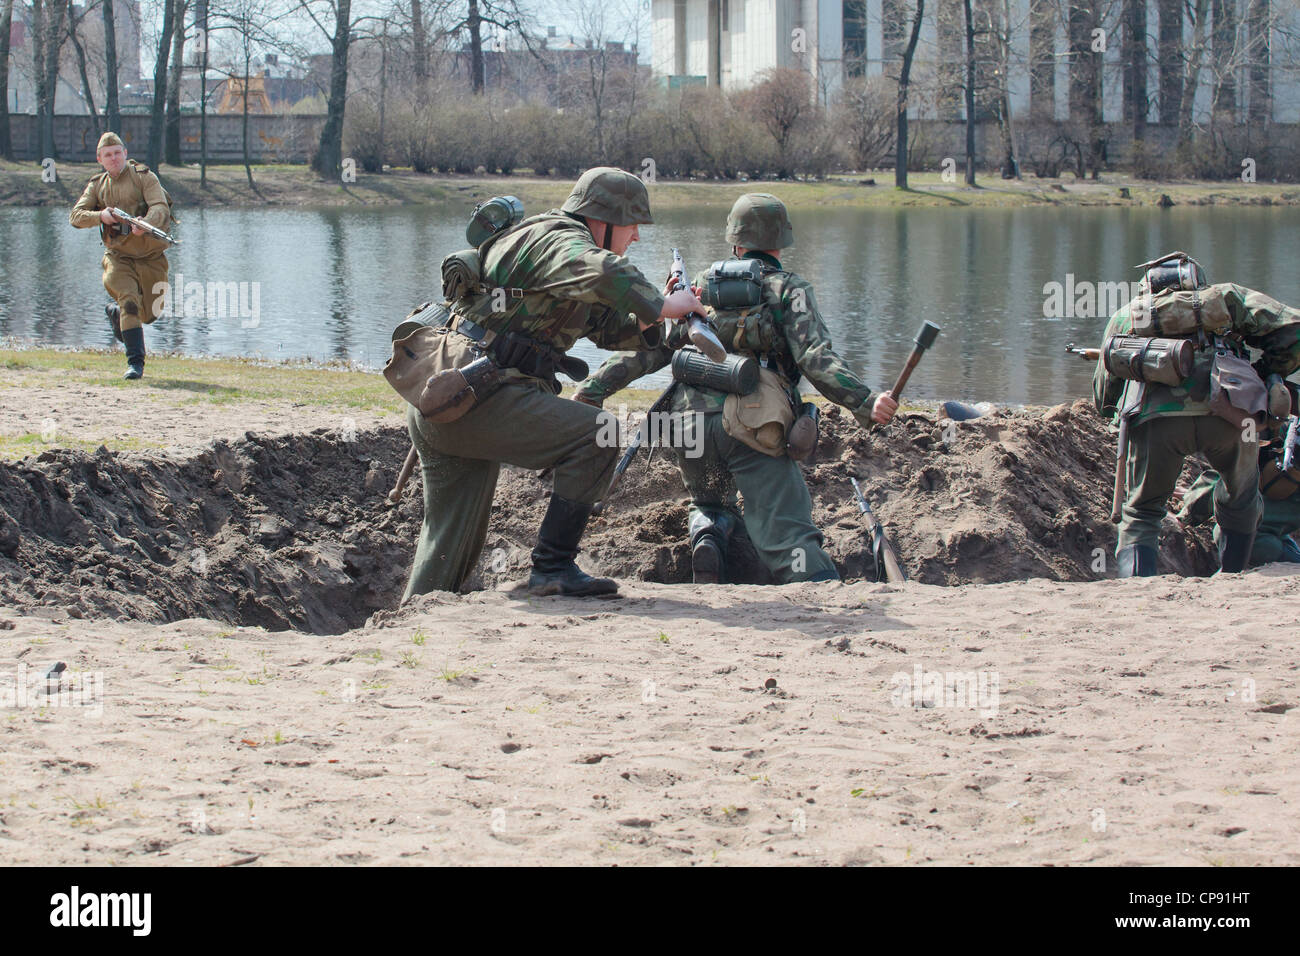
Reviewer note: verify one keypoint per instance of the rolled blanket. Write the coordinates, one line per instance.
(460, 274)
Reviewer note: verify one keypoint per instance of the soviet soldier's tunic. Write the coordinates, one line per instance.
(793, 340)
(135, 268)
(556, 286)
(1175, 421)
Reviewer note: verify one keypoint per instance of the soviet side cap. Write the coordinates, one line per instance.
(759, 221)
(109, 139)
(610, 195)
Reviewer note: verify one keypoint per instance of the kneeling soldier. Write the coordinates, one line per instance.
(546, 281)
(782, 329)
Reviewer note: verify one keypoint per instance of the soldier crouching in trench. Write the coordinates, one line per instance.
(545, 282)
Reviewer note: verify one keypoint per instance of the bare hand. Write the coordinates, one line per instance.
(136, 230)
(106, 216)
(884, 408)
(680, 304)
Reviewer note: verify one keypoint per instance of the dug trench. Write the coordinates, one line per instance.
(293, 531)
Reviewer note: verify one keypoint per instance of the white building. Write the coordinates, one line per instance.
(729, 43)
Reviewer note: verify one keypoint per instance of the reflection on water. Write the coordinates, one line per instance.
(333, 282)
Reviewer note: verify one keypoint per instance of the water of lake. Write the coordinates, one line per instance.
(332, 283)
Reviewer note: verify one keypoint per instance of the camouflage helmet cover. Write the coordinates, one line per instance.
(610, 195)
(759, 221)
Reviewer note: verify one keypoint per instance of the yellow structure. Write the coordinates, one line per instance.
(233, 100)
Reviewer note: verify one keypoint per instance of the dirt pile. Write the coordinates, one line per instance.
(293, 532)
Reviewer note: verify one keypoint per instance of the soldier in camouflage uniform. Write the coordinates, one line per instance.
(559, 276)
(795, 343)
(1278, 523)
(135, 268)
(1175, 421)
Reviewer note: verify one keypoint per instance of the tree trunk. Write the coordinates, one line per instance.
(160, 85)
(87, 94)
(1135, 67)
(970, 93)
(201, 22)
(1192, 79)
(475, 47)
(175, 76)
(1260, 45)
(1224, 13)
(1010, 166)
(111, 105)
(904, 77)
(248, 65)
(6, 22)
(1170, 58)
(419, 53)
(329, 156)
(47, 41)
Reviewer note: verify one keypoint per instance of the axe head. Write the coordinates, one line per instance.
(925, 338)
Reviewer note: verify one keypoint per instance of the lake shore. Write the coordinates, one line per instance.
(286, 185)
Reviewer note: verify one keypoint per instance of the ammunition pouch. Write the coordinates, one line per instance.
(761, 418)
(802, 440)
(1142, 359)
(737, 375)
(536, 359)
(452, 392)
(1180, 312)
(441, 374)
(1236, 390)
(733, 284)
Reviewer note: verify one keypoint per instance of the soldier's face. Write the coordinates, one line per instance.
(112, 158)
(623, 237)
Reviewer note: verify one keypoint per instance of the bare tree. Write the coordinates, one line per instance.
(970, 92)
(176, 75)
(6, 24)
(47, 18)
(160, 84)
(904, 81)
(87, 92)
(112, 105)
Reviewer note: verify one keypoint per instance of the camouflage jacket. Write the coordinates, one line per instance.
(135, 190)
(790, 335)
(1262, 323)
(546, 278)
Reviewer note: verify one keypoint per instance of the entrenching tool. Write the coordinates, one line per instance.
(881, 550)
(403, 476)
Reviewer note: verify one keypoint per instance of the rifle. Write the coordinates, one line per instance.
(1090, 354)
(881, 550)
(660, 404)
(1289, 446)
(700, 330)
(147, 227)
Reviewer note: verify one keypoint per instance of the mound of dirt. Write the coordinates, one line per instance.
(293, 531)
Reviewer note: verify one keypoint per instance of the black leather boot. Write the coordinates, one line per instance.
(133, 339)
(554, 570)
(1234, 550)
(114, 313)
(710, 532)
(1137, 560)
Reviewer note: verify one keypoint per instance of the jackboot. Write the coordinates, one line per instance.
(133, 339)
(114, 313)
(710, 532)
(1137, 560)
(554, 570)
(1234, 550)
